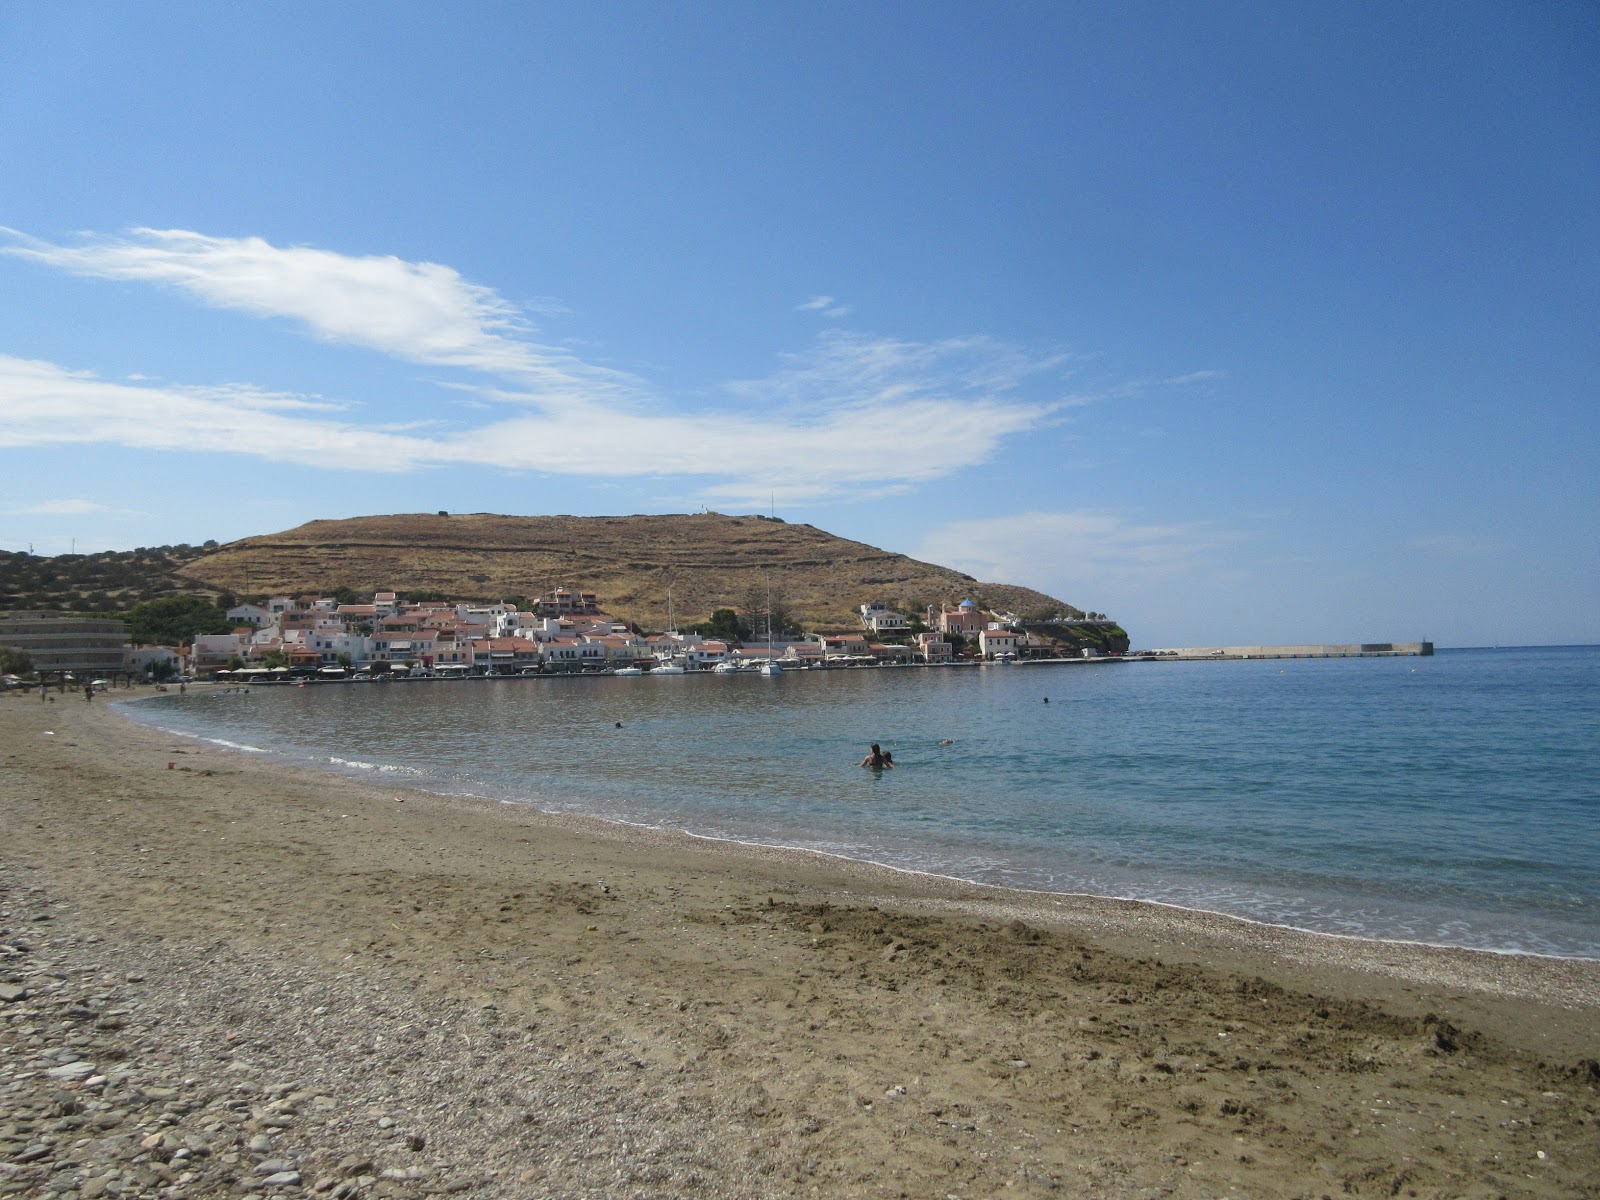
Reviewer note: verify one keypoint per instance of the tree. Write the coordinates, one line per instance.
(14, 662)
(236, 663)
(724, 625)
(344, 660)
(162, 670)
(173, 620)
(768, 604)
(274, 658)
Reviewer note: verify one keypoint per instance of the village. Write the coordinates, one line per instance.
(564, 631)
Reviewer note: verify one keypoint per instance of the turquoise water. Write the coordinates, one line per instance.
(1452, 800)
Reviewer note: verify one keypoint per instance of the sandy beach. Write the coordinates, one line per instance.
(211, 964)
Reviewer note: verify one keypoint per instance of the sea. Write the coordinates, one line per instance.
(1451, 800)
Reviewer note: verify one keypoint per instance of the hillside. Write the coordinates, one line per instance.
(709, 560)
(110, 581)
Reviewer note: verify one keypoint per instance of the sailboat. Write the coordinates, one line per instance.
(770, 666)
(670, 667)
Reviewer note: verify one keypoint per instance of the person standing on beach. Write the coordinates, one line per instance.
(88, 692)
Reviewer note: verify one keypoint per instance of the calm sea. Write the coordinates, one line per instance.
(1452, 800)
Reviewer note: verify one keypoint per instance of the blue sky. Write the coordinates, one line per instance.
(1239, 322)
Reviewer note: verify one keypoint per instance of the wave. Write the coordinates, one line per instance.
(358, 765)
(234, 745)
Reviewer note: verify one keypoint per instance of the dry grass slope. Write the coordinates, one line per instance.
(709, 560)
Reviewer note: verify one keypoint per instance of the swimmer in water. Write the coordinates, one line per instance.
(877, 759)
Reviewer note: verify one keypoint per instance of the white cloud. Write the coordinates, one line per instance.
(826, 305)
(854, 415)
(42, 404)
(418, 312)
(746, 456)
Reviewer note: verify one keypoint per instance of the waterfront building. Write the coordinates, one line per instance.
(55, 642)
(703, 655)
(331, 643)
(159, 660)
(211, 651)
(997, 642)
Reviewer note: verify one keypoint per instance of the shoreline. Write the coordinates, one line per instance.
(745, 1020)
(392, 775)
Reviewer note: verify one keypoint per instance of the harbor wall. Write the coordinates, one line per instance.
(1338, 650)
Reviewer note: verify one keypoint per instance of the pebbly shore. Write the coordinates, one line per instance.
(146, 1070)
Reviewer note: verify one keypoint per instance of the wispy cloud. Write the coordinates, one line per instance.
(859, 371)
(67, 508)
(417, 312)
(852, 415)
(827, 306)
(745, 456)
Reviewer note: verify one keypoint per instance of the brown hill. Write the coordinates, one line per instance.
(709, 560)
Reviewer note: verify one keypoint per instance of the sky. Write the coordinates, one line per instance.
(1242, 323)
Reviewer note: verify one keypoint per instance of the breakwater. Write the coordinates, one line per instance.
(1342, 650)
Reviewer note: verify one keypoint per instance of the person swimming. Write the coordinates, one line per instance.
(877, 759)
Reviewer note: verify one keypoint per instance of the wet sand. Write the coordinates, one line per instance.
(818, 1027)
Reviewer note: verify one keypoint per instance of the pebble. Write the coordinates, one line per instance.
(75, 1070)
(172, 1069)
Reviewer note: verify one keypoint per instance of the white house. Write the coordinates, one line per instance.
(571, 654)
(251, 614)
(880, 618)
(331, 643)
(996, 642)
(703, 655)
